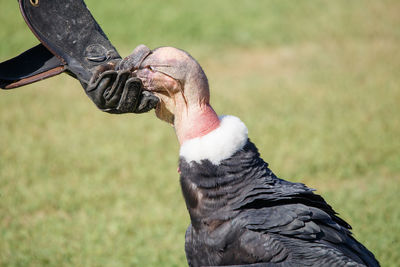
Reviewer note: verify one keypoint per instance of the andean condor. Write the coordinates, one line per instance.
(241, 213)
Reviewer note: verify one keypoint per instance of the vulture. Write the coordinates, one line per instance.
(241, 213)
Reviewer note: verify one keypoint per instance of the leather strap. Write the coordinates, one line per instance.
(33, 65)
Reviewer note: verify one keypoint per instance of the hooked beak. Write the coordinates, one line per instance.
(135, 60)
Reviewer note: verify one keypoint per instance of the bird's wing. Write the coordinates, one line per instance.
(295, 220)
(304, 226)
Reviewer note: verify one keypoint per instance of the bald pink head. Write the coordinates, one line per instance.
(182, 86)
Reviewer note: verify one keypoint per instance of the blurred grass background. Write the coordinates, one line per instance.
(317, 83)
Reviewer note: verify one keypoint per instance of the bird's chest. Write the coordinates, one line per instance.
(199, 250)
(214, 246)
(203, 205)
(191, 192)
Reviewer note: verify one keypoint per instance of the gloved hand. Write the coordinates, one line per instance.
(118, 91)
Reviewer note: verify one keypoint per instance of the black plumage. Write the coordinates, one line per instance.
(241, 213)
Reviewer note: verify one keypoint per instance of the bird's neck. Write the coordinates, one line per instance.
(195, 121)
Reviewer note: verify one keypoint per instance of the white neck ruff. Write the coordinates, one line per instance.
(217, 145)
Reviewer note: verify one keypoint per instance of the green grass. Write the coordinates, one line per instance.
(316, 82)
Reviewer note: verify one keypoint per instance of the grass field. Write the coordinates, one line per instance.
(316, 82)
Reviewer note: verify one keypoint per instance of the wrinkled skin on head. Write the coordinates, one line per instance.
(176, 79)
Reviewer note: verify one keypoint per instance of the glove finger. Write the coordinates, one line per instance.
(148, 102)
(101, 69)
(94, 83)
(97, 95)
(130, 95)
(117, 86)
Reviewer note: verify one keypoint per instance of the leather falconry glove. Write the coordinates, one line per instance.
(73, 42)
(115, 88)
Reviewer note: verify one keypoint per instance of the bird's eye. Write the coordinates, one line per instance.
(150, 67)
